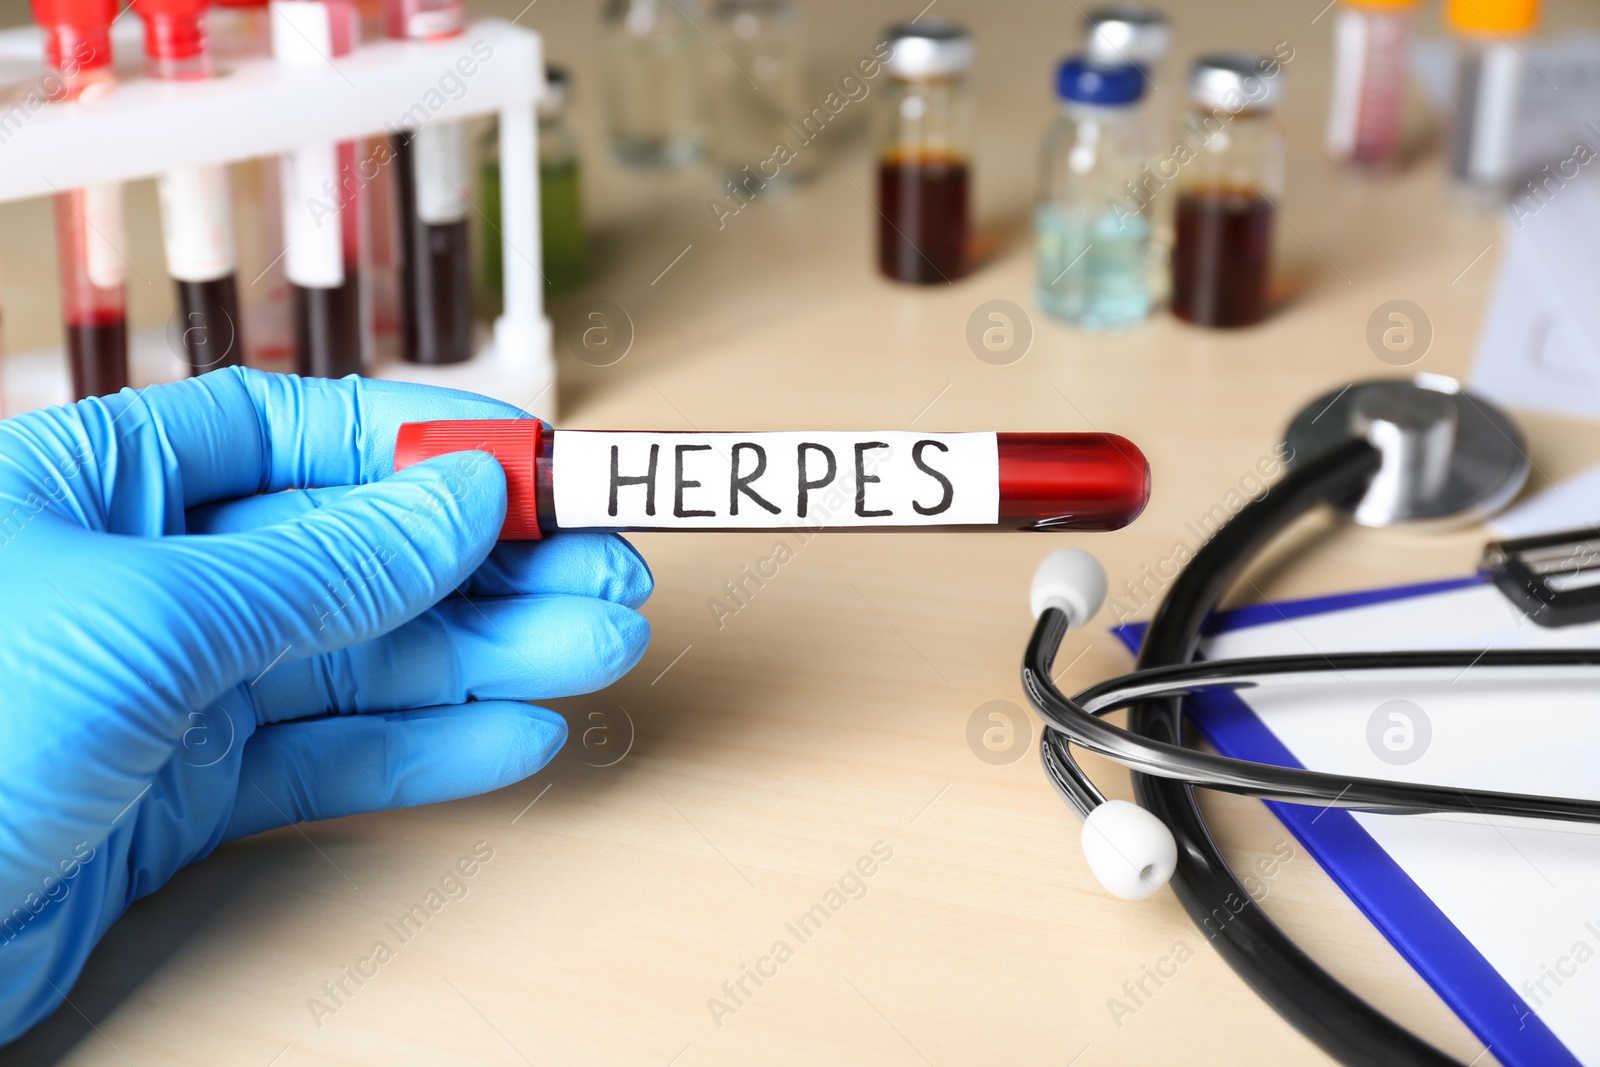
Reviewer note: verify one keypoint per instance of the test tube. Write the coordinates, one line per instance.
(1371, 57)
(804, 480)
(1489, 76)
(431, 177)
(240, 29)
(653, 56)
(321, 210)
(89, 235)
(196, 205)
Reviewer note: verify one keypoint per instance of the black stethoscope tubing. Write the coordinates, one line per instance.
(1340, 1023)
(1077, 721)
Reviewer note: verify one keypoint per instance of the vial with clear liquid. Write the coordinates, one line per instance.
(760, 89)
(653, 58)
(1091, 240)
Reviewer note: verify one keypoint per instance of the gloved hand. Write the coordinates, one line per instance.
(189, 655)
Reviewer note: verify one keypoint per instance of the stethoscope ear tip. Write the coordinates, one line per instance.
(1129, 850)
(1072, 580)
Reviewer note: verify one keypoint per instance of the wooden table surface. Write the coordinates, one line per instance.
(822, 728)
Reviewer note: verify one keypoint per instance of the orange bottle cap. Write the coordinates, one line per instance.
(1492, 16)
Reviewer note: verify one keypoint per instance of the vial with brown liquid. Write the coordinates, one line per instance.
(1222, 233)
(1222, 257)
(924, 175)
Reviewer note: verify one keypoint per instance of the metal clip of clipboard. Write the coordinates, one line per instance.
(1553, 578)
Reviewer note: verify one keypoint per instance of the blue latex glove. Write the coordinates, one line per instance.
(307, 655)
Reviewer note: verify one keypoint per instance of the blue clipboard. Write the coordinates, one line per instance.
(1401, 911)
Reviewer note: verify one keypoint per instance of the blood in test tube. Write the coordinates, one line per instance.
(822, 480)
(322, 262)
(196, 205)
(431, 172)
(89, 236)
(435, 278)
(1371, 62)
(1222, 256)
(98, 355)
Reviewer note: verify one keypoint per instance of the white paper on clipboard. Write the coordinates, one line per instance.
(1526, 896)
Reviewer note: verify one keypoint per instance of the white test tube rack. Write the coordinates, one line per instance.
(260, 108)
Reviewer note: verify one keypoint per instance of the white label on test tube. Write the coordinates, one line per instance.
(772, 480)
(196, 222)
(442, 22)
(311, 217)
(439, 161)
(102, 216)
(302, 35)
(1349, 72)
(1499, 82)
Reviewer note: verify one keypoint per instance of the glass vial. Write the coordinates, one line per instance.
(1129, 35)
(652, 58)
(760, 89)
(89, 232)
(1371, 61)
(565, 257)
(924, 153)
(1489, 72)
(1222, 234)
(560, 195)
(1092, 244)
(1134, 34)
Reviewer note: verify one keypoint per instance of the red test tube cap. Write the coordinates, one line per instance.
(514, 442)
(173, 29)
(85, 14)
(76, 31)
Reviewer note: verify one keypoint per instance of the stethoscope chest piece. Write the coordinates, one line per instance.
(1448, 456)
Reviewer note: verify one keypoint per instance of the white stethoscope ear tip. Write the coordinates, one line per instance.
(1129, 850)
(1072, 580)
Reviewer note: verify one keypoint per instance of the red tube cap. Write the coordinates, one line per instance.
(173, 29)
(77, 32)
(514, 442)
(85, 14)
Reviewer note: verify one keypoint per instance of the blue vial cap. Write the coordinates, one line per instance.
(1082, 83)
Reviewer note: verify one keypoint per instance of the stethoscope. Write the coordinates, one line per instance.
(1384, 452)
